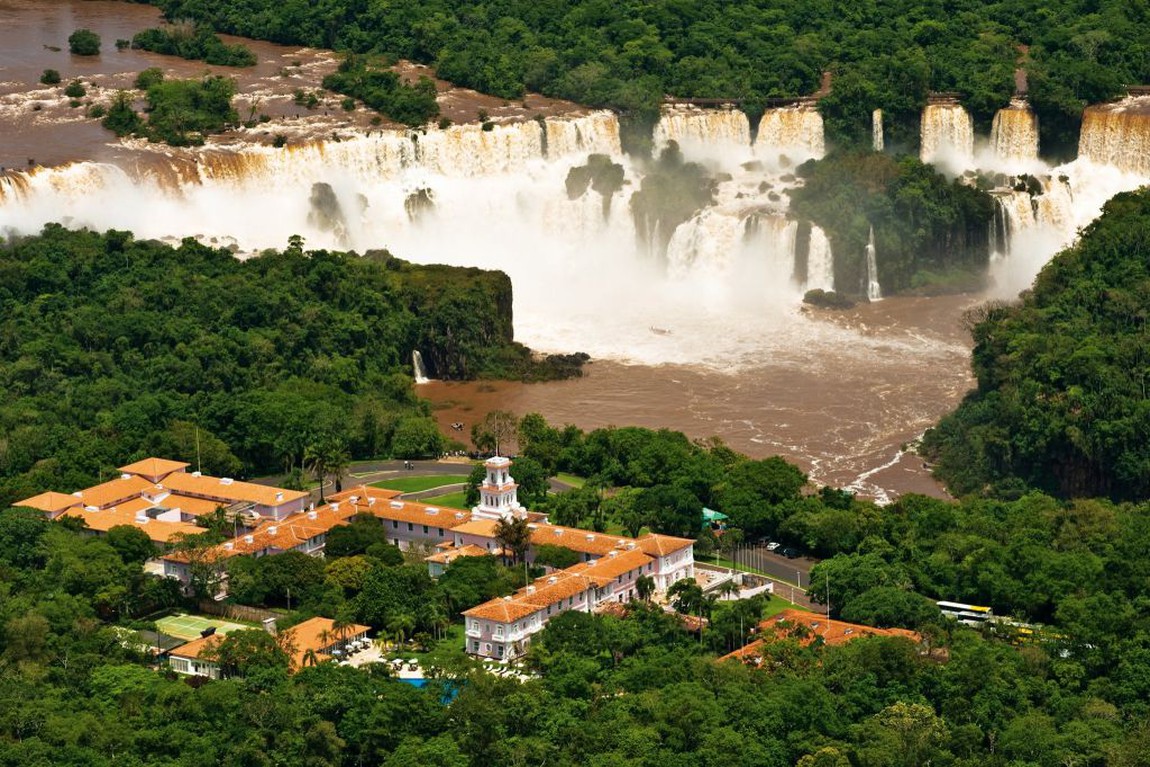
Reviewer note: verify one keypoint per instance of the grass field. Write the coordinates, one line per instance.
(190, 626)
(416, 484)
(450, 500)
(570, 479)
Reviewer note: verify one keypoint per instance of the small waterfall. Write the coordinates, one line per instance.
(876, 130)
(820, 262)
(596, 133)
(1118, 135)
(1014, 134)
(947, 133)
(702, 131)
(417, 366)
(795, 132)
(873, 289)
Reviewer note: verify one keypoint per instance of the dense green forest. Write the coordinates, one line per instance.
(179, 112)
(627, 55)
(112, 348)
(1061, 403)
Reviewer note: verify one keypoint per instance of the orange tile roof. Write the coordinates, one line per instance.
(661, 545)
(50, 502)
(576, 539)
(814, 625)
(194, 506)
(447, 556)
(481, 527)
(125, 514)
(383, 505)
(503, 610)
(114, 491)
(198, 649)
(317, 635)
(151, 468)
(231, 492)
(611, 567)
(547, 592)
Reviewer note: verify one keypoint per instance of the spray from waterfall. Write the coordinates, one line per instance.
(873, 289)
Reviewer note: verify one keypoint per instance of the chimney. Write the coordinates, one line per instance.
(273, 530)
(279, 495)
(397, 504)
(141, 517)
(312, 514)
(249, 539)
(229, 545)
(590, 537)
(125, 476)
(226, 480)
(197, 474)
(432, 510)
(530, 589)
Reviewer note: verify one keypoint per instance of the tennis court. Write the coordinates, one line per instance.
(190, 626)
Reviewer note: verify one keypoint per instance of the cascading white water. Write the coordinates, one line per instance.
(873, 289)
(418, 368)
(1014, 136)
(820, 262)
(794, 132)
(705, 133)
(877, 142)
(947, 136)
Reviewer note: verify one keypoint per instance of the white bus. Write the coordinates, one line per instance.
(969, 615)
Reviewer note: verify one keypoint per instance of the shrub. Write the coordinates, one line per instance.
(75, 90)
(50, 77)
(149, 77)
(84, 42)
(348, 104)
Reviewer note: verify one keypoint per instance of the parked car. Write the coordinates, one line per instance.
(790, 552)
(773, 545)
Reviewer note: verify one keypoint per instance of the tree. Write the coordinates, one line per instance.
(84, 42)
(672, 510)
(355, 537)
(417, 437)
(50, 77)
(242, 652)
(131, 543)
(514, 536)
(557, 557)
(531, 481)
(498, 430)
(645, 587)
(199, 553)
(914, 731)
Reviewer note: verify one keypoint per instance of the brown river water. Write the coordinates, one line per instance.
(842, 406)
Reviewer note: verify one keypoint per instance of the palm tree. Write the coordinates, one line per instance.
(513, 535)
(310, 658)
(315, 459)
(400, 624)
(729, 588)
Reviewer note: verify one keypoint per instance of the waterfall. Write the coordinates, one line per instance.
(947, 133)
(1118, 135)
(820, 262)
(876, 130)
(703, 132)
(794, 132)
(596, 133)
(417, 366)
(1014, 134)
(873, 289)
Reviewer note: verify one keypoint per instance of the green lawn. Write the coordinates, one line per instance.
(450, 500)
(416, 484)
(570, 479)
(447, 652)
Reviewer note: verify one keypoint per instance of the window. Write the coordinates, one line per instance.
(395, 524)
(498, 632)
(486, 648)
(410, 527)
(425, 529)
(475, 646)
(441, 532)
(475, 625)
(548, 609)
(500, 649)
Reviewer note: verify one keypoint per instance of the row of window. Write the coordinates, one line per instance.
(411, 528)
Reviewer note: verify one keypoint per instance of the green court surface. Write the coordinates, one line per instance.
(190, 626)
